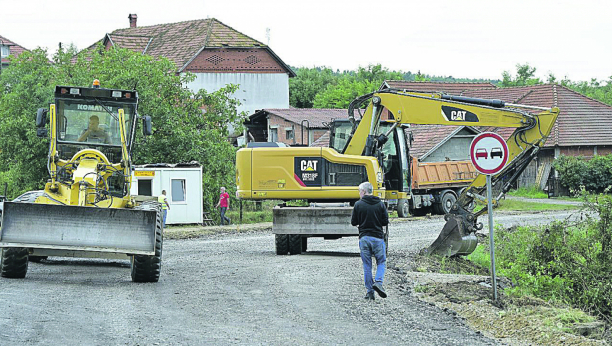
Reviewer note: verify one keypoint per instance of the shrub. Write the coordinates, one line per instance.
(594, 175)
(564, 261)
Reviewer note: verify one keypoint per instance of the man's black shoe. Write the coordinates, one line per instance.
(369, 296)
(379, 289)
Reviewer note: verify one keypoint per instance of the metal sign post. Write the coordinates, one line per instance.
(489, 155)
(491, 241)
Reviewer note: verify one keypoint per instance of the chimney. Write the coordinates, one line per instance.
(133, 17)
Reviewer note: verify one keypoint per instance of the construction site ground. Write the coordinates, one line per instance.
(225, 285)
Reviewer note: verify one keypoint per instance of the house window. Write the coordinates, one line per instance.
(178, 190)
(144, 187)
(273, 135)
(4, 51)
(289, 133)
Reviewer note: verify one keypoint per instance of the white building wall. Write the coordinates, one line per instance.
(257, 90)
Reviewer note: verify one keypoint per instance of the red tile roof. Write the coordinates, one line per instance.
(449, 88)
(14, 49)
(182, 42)
(428, 136)
(317, 118)
(322, 141)
(582, 121)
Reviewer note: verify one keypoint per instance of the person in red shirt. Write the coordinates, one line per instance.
(224, 205)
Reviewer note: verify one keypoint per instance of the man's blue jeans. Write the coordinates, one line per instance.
(372, 246)
(165, 214)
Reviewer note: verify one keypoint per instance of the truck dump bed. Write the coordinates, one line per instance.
(429, 175)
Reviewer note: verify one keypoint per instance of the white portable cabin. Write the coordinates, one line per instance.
(183, 185)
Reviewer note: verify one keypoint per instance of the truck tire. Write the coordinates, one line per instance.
(281, 241)
(403, 208)
(304, 244)
(295, 244)
(147, 268)
(14, 263)
(447, 200)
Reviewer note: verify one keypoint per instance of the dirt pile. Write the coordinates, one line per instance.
(463, 288)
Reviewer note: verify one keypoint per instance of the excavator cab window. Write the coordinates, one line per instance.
(340, 134)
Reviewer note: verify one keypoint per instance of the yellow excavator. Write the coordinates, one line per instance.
(376, 149)
(85, 209)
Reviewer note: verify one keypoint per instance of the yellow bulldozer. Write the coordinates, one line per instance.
(374, 148)
(85, 209)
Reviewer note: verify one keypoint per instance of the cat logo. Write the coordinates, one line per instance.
(308, 165)
(458, 114)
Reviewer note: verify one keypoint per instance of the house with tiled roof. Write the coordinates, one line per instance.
(8, 48)
(217, 54)
(293, 126)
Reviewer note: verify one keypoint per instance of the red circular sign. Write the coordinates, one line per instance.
(489, 153)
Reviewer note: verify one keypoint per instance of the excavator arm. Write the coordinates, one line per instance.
(531, 131)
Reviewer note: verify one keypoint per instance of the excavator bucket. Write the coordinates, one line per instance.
(454, 240)
(61, 227)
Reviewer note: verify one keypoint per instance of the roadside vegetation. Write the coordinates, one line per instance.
(566, 261)
(528, 192)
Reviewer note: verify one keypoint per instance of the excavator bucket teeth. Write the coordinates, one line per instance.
(453, 240)
(61, 227)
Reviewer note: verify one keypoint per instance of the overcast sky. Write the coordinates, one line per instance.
(459, 38)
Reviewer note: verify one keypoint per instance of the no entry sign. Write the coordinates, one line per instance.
(489, 153)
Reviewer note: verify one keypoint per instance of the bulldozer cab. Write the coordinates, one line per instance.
(88, 118)
(393, 157)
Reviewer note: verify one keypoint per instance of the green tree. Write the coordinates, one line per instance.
(307, 84)
(349, 86)
(525, 75)
(187, 126)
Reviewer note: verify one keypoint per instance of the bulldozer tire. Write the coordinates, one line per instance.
(304, 244)
(295, 244)
(145, 268)
(447, 201)
(282, 244)
(14, 263)
(37, 259)
(403, 208)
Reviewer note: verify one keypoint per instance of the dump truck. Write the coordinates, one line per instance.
(375, 150)
(85, 209)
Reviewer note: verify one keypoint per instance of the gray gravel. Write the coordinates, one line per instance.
(233, 289)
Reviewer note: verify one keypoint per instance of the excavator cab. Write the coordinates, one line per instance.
(393, 156)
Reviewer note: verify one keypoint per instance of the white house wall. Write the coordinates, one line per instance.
(257, 90)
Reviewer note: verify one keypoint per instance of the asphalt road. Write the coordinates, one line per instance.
(232, 289)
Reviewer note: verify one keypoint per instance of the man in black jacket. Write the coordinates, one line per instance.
(370, 215)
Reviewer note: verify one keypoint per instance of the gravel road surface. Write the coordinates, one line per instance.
(232, 289)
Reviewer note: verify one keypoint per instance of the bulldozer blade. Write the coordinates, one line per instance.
(453, 240)
(61, 227)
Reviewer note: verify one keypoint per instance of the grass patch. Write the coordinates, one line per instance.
(528, 192)
(514, 205)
